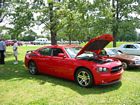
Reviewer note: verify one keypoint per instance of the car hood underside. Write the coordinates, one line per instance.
(96, 44)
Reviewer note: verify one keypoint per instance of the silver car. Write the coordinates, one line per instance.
(133, 49)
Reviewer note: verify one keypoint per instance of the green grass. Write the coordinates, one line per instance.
(118, 44)
(18, 87)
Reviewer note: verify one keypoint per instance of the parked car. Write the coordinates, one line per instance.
(41, 41)
(133, 49)
(127, 60)
(11, 43)
(20, 43)
(82, 65)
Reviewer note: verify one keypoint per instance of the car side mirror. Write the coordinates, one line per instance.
(61, 55)
(107, 55)
(120, 51)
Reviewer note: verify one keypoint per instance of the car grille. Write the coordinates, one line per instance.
(116, 69)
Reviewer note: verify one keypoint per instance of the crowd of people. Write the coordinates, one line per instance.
(3, 51)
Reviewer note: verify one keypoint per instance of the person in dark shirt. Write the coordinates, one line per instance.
(2, 51)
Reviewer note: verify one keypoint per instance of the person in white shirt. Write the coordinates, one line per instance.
(15, 51)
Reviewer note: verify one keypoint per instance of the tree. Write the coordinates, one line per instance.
(21, 18)
(115, 16)
(2, 10)
(49, 15)
(122, 11)
(2, 15)
(76, 21)
(52, 23)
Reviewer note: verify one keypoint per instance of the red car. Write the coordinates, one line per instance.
(11, 43)
(84, 66)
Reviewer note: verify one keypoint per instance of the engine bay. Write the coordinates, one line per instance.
(99, 60)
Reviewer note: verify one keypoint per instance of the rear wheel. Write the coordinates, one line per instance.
(84, 77)
(32, 68)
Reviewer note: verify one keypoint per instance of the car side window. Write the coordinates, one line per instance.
(45, 51)
(56, 51)
(130, 46)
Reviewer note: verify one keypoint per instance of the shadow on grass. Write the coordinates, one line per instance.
(18, 72)
(133, 69)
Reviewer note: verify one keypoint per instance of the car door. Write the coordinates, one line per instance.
(130, 49)
(44, 60)
(62, 66)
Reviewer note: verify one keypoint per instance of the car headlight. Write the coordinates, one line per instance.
(137, 62)
(102, 69)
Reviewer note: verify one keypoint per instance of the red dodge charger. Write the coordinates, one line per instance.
(83, 65)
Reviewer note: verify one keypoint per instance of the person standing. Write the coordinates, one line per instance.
(2, 51)
(15, 51)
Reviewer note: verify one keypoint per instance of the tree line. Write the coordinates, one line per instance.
(70, 19)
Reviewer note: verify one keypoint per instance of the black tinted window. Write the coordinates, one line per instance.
(130, 46)
(56, 51)
(45, 51)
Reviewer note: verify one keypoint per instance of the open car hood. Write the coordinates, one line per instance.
(96, 44)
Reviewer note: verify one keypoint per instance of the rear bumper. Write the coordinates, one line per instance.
(110, 78)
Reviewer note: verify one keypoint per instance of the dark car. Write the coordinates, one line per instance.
(11, 43)
(127, 60)
(71, 62)
(20, 43)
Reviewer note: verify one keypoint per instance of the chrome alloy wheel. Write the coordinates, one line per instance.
(32, 68)
(83, 78)
(125, 65)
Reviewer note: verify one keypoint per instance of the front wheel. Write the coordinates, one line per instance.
(84, 77)
(125, 65)
(32, 68)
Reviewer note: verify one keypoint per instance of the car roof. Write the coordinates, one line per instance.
(130, 44)
(60, 46)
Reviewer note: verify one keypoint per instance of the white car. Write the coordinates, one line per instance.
(133, 49)
(41, 41)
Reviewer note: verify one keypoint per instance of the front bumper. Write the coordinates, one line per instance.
(111, 83)
(108, 78)
(134, 65)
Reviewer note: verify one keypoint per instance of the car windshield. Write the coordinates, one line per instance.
(113, 52)
(137, 45)
(74, 51)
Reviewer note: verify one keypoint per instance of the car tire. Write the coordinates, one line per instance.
(84, 77)
(125, 65)
(32, 68)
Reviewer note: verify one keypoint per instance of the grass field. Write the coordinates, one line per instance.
(18, 87)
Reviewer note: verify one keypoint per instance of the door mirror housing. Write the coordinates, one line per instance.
(61, 55)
